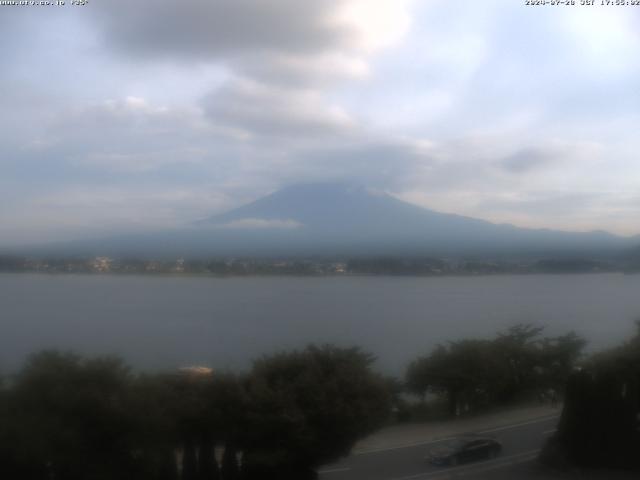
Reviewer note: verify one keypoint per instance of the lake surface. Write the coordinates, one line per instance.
(166, 322)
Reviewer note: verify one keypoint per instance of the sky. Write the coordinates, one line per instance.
(130, 116)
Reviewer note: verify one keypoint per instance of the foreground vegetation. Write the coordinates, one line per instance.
(600, 422)
(474, 374)
(66, 417)
(73, 418)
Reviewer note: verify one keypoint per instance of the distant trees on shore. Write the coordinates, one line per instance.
(315, 266)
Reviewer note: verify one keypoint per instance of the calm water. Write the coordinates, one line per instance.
(164, 322)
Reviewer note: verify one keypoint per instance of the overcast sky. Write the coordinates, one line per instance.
(129, 115)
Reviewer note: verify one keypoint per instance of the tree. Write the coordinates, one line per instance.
(230, 469)
(207, 465)
(599, 425)
(558, 357)
(463, 371)
(156, 406)
(225, 420)
(518, 350)
(599, 422)
(308, 408)
(71, 419)
(475, 373)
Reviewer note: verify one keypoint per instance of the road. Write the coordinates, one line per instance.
(521, 444)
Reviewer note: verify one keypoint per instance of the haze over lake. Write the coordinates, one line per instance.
(166, 322)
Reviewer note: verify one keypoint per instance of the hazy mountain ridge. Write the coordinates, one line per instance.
(337, 213)
(338, 219)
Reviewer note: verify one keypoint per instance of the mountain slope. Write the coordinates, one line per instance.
(336, 219)
(340, 216)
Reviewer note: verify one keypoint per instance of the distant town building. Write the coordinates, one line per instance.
(179, 267)
(152, 266)
(101, 264)
(340, 268)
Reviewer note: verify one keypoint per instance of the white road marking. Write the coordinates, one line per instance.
(479, 467)
(520, 424)
(406, 445)
(547, 432)
(446, 439)
(334, 470)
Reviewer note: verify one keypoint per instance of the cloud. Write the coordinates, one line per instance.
(88, 210)
(281, 57)
(543, 203)
(204, 29)
(377, 163)
(268, 39)
(528, 159)
(544, 208)
(261, 110)
(287, 70)
(129, 135)
(137, 163)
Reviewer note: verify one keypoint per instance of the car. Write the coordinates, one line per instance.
(465, 449)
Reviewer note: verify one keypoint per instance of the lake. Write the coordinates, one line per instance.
(158, 322)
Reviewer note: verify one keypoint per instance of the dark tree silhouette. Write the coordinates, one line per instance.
(599, 426)
(71, 419)
(230, 468)
(66, 417)
(207, 465)
(189, 461)
(309, 408)
(472, 373)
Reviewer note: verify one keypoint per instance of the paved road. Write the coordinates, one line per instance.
(521, 443)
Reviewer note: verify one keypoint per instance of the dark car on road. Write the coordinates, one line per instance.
(465, 449)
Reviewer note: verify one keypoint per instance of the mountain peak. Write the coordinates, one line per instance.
(319, 205)
(336, 219)
(352, 217)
